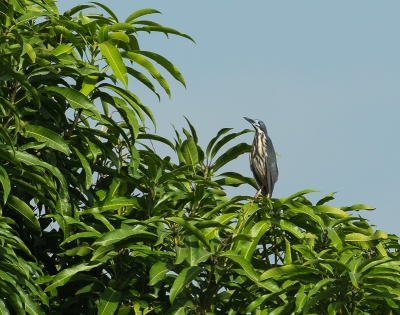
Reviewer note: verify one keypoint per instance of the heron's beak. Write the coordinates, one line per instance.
(251, 121)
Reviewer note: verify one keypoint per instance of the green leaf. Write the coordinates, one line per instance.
(114, 59)
(62, 277)
(75, 98)
(21, 79)
(235, 179)
(4, 134)
(31, 52)
(192, 130)
(34, 191)
(225, 140)
(5, 182)
(31, 306)
(224, 205)
(292, 270)
(112, 203)
(62, 49)
(230, 155)
(52, 139)
(109, 301)
(189, 151)
(329, 292)
(103, 219)
(325, 199)
(123, 27)
(3, 308)
(9, 106)
(149, 136)
(29, 159)
(358, 207)
(132, 100)
(165, 30)
(86, 168)
(88, 85)
(157, 272)
(288, 253)
(301, 300)
(145, 63)
(331, 211)
(245, 264)
(24, 210)
(290, 227)
(118, 36)
(61, 30)
(140, 13)
(284, 309)
(31, 16)
(337, 241)
(107, 9)
(307, 211)
(257, 232)
(81, 235)
(118, 235)
(298, 194)
(191, 228)
(143, 79)
(102, 34)
(167, 65)
(128, 115)
(358, 237)
(185, 277)
(222, 219)
(213, 140)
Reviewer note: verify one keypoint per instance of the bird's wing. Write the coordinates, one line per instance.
(256, 168)
(271, 167)
(272, 173)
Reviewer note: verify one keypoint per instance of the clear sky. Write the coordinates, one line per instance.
(323, 76)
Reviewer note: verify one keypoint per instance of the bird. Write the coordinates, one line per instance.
(263, 159)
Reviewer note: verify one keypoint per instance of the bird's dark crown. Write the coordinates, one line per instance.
(257, 124)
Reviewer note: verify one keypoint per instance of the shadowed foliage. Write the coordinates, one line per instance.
(94, 221)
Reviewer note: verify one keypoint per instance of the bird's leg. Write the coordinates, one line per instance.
(258, 193)
(256, 196)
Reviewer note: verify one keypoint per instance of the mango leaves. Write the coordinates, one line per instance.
(94, 221)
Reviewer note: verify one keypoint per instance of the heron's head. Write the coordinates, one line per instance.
(258, 125)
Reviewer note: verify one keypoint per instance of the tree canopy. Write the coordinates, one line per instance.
(94, 221)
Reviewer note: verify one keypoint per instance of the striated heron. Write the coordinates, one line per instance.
(263, 159)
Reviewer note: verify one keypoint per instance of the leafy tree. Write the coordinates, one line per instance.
(94, 221)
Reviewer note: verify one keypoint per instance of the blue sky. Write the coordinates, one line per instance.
(323, 76)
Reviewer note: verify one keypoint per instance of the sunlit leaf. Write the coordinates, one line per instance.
(230, 155)
(66, 274)
(121, 234)
(75, 98)
(52, 139)
(145, 63)
(5, 182)
(225, 140)
(357, 207)
(157, 272)
(190, 228)
(86, 168)
(185, 277)
(140, 13)
(189, 151)
(293, 270)
(114, 59)
(244, 264)
(109, 301)
(24, 210)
